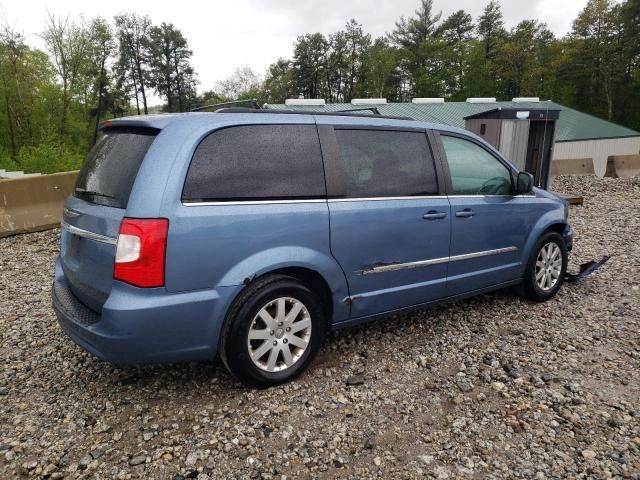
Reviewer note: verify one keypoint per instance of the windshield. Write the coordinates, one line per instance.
(108, 173)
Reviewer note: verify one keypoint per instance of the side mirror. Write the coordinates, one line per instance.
(524, 183)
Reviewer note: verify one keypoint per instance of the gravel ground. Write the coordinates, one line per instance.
(493, 387)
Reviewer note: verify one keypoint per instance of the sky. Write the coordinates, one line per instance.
(227, 34)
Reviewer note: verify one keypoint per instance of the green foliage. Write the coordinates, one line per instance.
(52, 103)
(50, 156)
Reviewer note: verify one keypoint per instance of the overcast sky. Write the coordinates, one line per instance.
(224, 34)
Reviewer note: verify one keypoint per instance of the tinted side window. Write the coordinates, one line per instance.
(268, 162)
(474, 171)
(385, 163)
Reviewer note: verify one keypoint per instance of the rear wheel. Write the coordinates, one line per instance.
(272, 332)
(546, 268)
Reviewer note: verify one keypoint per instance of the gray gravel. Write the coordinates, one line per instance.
(493, 387)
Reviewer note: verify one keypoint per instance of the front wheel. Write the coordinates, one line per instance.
(546, 268)
(272, 332)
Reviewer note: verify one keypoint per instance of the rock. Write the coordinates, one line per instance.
(426, 459)
(377, 461)
(464, 385)
(4, 391)
(342, 399)
(615, 422)
(497, 386)
(49, 470)
(192, 458)
(138, 460)
(355, 380)
(340, 460)
(589, 455)
(85, 461)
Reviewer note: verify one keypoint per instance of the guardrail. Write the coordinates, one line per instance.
(33, 203)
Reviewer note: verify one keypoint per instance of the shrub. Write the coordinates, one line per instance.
(50, 156)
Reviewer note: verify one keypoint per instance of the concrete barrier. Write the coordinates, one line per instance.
(623, 166)
(576, 166)
(31, 204)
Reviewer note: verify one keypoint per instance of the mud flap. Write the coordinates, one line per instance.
(586, 269)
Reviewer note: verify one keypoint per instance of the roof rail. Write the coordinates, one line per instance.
(252, 102)
(347, 113)
(374, 110)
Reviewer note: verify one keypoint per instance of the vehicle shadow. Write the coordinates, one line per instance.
(337, 348)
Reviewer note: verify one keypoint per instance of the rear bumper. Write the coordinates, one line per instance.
(144, 325)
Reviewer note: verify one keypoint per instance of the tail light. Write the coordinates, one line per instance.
(140, 254)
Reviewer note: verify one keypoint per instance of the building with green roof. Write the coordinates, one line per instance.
(577, 135)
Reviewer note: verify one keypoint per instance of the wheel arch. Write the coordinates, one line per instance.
(552, 221)
(316, 270)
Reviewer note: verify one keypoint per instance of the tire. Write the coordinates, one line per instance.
(540, 272)
(257, 311)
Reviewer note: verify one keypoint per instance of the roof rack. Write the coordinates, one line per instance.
(345, 113)
(252, 102)
(363, 109)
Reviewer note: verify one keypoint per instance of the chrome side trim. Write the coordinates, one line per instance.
(87, 234)
(251, 202)
(338, 200)
(491, 196)
(436, 261)
(485, 253)
(404, 266)
(370, 199)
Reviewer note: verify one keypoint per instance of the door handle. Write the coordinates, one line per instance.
(466, 213)
(433, 215)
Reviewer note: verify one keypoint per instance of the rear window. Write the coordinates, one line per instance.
(386, 163)
(108, 173)
(257, 162)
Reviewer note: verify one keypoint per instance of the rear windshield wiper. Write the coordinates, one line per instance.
(90, 195)
(93, 193)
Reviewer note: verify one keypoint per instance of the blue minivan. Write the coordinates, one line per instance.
(249, 234)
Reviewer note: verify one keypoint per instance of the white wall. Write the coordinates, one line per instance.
(598, 150)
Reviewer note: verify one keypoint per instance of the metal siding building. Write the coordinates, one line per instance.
(578, 135)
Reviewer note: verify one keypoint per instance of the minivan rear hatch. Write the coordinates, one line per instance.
(92, 214)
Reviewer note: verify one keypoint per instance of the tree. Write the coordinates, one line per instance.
(519, 63)
(242, 84)
(596, 47)
(456, 30)
(279, 82)
(102, 47)
(132, 31)
(170, 71)
(411, 33)
(380, 67)
(491, 28)
(357, 43)
(309, 63)
(69, 45)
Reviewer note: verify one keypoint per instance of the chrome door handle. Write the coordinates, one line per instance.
(433, 215)
(466, 213)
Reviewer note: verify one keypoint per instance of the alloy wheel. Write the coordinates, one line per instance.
(279, 334)
(548, 266)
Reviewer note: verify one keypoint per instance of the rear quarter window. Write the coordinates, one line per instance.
(257, 162)
(111, 167)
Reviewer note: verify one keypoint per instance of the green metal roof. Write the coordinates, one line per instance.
(572, 126)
